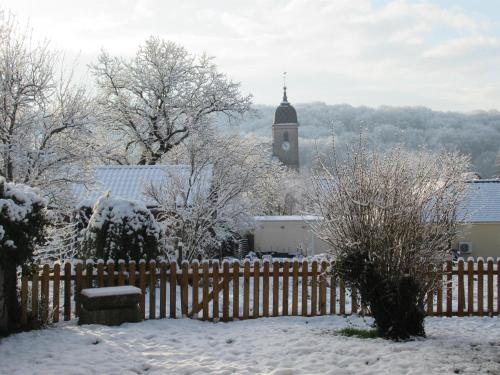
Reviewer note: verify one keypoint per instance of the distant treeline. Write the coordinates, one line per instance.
(477, 134)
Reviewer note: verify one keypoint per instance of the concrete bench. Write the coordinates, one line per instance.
(110, 305)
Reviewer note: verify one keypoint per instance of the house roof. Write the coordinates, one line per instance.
(482, 202)
(131, 181)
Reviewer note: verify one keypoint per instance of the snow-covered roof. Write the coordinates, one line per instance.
(482, 202)
(481, 205)
(287, 218)
(131, 181)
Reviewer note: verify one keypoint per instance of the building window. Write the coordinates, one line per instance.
(285, 137)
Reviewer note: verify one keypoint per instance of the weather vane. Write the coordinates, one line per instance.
(284, 79)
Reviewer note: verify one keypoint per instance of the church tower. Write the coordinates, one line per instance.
(286, 134)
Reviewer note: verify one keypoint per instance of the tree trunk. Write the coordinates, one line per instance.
(9, 304)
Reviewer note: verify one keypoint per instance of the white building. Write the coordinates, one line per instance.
(287, 235)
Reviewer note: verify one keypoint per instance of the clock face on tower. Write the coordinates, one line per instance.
(285, 146)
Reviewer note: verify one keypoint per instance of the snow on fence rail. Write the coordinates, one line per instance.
(235, 291)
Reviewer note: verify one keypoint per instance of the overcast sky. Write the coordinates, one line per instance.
(442, 54)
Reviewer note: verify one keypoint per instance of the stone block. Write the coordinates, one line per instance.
(110, 297)
(110, 317)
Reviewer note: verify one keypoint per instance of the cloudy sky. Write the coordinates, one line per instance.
(442, 54)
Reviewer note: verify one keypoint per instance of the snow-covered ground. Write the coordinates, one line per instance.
(283, 345)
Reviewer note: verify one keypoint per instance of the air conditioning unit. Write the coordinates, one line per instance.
(465, 247)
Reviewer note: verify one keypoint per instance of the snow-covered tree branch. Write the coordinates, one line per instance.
(161, 96)
(45, 119)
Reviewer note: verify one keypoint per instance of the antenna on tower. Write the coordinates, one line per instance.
(285, 99)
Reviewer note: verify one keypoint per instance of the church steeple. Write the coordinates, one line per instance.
(285, 132)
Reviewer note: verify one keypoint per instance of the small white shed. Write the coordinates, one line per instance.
(287, 235)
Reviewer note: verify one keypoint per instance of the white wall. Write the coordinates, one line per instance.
(286, 234)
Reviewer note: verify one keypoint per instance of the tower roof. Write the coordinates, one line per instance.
(285, 113)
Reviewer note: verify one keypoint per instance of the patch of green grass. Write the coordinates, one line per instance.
(359, 333)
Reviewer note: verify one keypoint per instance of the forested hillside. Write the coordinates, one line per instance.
(477, 134)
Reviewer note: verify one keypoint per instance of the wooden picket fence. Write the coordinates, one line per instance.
(250, 290)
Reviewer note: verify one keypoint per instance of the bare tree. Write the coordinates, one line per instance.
(389, 219)
(45, 120)
(217, 193)
(158, 98)
(282, 193)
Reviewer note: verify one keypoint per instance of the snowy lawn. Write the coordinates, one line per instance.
(283, 345)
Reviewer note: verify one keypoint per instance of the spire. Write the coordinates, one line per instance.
(285, 99)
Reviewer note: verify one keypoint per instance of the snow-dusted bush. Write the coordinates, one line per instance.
(22, 221)
(389, 219)
(22, 227)
(121, 229)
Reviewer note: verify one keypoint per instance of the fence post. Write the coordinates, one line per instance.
(163, 289)
(461, 289)
(295, 288)
(246, 289)
(195, 286)
(45, 293)
(173, 288)
(215, 290)
(449, 286)
(34, 293)
(67, 291)
(286, 270)
(265, 289)
(131, 272)
(236, 290)
(342, 297)
(333, 294)
(305, 270)
(480, 286)
(490, 287)
(206, 282)
(314, 288)
(78, 287)
(276, 290)
(439, 291)
(322, 288)
(89, 274)
(142, 286)
(184, 288)
(470, 286)
(225, 291)
(56, 291)
(256, 292)
(152, 289)
(100, 273)
(110, 269)
(121, 272)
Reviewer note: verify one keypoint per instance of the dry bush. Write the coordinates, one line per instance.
(389, 219)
